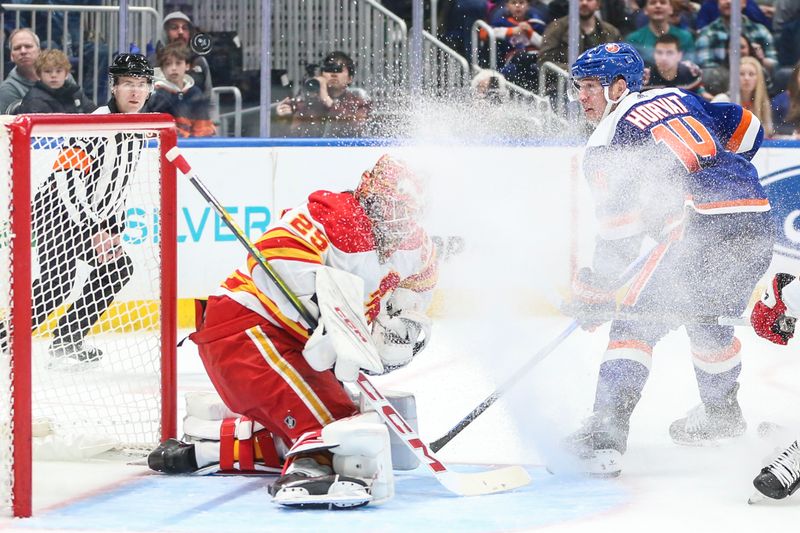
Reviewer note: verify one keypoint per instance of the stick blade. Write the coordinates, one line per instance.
(489, 482)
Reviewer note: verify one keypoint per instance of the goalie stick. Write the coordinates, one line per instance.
(463, 484)
(439, 443)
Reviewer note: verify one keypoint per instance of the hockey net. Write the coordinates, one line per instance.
(87, 291)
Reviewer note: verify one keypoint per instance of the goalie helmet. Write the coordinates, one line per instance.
(610, 61)
(392, 196)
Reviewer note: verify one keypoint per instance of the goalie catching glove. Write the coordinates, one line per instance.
(774, 316)
(397, 331)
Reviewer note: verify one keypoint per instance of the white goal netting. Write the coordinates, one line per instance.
(96, 301)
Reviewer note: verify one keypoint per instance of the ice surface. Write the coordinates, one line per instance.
(663, 487)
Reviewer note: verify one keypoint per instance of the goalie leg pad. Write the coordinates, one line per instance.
(406, 405)
(362, 450)
(206, 405)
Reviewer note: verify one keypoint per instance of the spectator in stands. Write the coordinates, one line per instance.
(177, 94)
(621, 14)
(785, 11)
(748, 49)
(519, 29)
(786, 107)
(25, 49)
(752, 93)
(593, 31)
(54, 92)
(710, 11)
(669, 69)
(178, 27)
(326, 105)
(768, 8)
(712, 42)
(459, 17)
(489, 87)
(658, 14)
(786, 30)
(684, 15)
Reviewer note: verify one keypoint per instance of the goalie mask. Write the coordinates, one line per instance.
(392, 196)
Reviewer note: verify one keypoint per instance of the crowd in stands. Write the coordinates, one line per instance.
(684, 43)
(40, 81)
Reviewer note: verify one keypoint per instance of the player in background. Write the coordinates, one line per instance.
(264, 365)
(774, 318)
(79, 214)
(666, 164)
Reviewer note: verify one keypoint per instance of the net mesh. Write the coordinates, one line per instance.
(96, 275)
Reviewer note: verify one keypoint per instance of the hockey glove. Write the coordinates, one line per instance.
(592, 302)
(403, 330)
(319, 351)
(399, 338)
(770, 318)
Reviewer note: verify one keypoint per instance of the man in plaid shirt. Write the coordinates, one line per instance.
(712, 43)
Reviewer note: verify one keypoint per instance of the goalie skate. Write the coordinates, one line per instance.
(314, 486)
(173, 457)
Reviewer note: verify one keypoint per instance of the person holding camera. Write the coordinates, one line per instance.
(179, 28)
(326, 105)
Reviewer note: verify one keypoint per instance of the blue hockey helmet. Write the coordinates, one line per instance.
(610, 61)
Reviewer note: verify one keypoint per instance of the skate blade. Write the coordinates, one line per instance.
(755, 498)
(326, 501)
(602, 464)
(707, 443)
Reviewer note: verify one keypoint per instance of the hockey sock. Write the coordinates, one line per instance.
(715, 388)
(619, 387)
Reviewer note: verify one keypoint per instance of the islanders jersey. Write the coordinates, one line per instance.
(665, 148)
(333, 230)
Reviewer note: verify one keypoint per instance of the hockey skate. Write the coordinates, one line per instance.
(308, 484)
(706, 424)
(173, 457)
(73, 355)
(780, 478)
(599, 445)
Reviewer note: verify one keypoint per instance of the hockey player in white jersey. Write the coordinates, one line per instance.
(774, 318)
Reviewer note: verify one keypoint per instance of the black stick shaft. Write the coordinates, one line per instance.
(493, 397)
(439, 443)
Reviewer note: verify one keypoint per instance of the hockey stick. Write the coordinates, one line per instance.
(463, 484)
(676, 319)
(439, 443)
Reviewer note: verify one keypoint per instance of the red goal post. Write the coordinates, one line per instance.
(138, 334)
